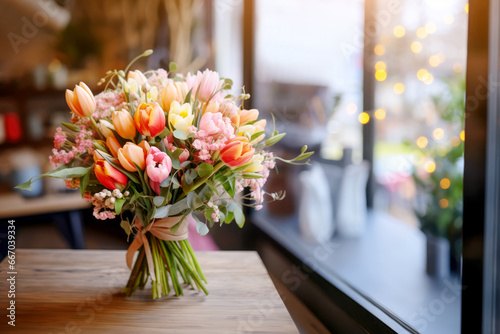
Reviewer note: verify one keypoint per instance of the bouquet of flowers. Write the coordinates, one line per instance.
(171, 149)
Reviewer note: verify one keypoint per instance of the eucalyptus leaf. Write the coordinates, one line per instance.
(179, 207)
(239, 217)
(125, 225)
(158, 200)
(180, 135)
(202, 228)
(162, 212)
(172, 67)
(65, 173)
(165, 183)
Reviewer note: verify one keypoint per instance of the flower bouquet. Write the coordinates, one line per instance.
(171, 149)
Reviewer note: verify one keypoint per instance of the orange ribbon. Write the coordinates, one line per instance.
(160, 228)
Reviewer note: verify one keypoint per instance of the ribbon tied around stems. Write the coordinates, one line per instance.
(160, 228)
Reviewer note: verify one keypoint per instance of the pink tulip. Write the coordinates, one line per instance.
(205, 85)
(211, 123)
(158, 165)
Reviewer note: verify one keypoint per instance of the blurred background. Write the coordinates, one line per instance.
(376, 88)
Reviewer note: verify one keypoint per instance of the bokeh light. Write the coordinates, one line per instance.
(399, 88)
(421, 33)
(380, 65)
(462, 135)
(422, 142)
(416, 47)
(363, 118)
(434, 61)
(443, 203)
(445, 183)
(380, 113)
(430, 166)
(430, 28)
(380, 75)
(438, 133)
(448, 19)
(399, 31)
(457, 68)
(379, 50)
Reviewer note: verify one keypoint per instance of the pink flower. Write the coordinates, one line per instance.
(211, 123)
(158, 165)
(205, 85)
(155, 186)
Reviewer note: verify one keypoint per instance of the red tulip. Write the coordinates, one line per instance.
(109, 176)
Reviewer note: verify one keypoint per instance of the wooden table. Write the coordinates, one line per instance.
(78, 291)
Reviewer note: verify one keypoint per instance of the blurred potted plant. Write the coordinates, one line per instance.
(439, 181)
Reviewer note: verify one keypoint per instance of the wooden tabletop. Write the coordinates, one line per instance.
(78, 291)
(14, 205)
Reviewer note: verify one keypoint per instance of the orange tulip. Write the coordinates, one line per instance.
(124, 124)
(237, 152)
(173, 91)
(109, 176)
(248, 116)
(145, 147)
(149, 119)
(113, 145)
(131, 154)
(81, 100)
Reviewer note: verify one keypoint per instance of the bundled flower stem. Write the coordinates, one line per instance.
(172, 149)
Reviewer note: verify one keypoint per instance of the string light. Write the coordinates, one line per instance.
(422, 142)
(430, 28)
(434, 61)
(445, 183)
(416, 47)
(443, 203)
(380, 65)
(421, 33)
(448, 19)
(363, 118)
(438, 133)
(380, 113)
(430, 166)
(399, 31)
(420, 73)
(379, 50)
(351, 108)
(428, 78)
(380, 75)
(399, 88)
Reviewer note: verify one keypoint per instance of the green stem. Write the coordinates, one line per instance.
(201, 181)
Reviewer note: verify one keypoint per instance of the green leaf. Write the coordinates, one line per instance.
(158, 200)
(303, 156)
(70, 126)
(84, 182)
(179, 134)
(164, 133)
(176, 164)
(188, 96)
(251, 176)
(239, 216)
(205, 169)
(201, 228)
(190, 175)
(229, 217)
(119, 205)
(175, 183)
(274, 139)
(257, 135)
(172, 67)
(64, 173)
(179, 207)
(162, 212)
